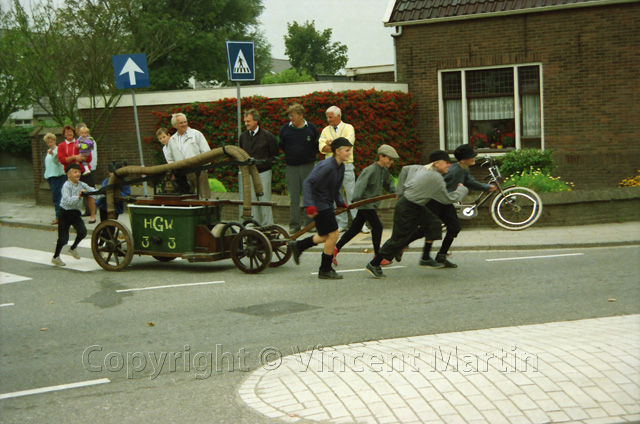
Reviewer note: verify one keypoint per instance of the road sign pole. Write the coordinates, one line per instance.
(135, 115)
(240, 187)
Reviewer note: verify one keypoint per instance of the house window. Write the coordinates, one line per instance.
(494, 109)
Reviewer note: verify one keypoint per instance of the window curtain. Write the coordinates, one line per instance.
(454, 124)
(531, 115)
(491, 109)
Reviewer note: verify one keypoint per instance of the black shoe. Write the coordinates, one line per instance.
(398, 256)
(376, 271)
(430, 263)
(296, 252)
(329, 275)
(441, 258)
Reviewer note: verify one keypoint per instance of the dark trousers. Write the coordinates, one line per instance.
(410, 220)
(66, 220)
(448, 215)
(364, 215)
(56, 183)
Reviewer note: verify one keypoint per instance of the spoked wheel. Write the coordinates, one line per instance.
(111, 245)
(251, 251)
(516, 208)
(279, 238)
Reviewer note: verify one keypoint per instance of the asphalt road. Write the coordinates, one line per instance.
(176, 354)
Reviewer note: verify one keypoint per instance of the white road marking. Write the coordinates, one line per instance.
(534, 257)
(363, 269)
(54, 388)
(169, 286)
(6, 304)
(44, 258)
(6, 278)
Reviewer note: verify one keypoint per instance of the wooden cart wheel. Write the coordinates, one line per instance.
(251, 251)
(164, 258)
(279, 238)
(111, 245)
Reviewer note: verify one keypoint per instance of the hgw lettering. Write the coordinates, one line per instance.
(158, 223)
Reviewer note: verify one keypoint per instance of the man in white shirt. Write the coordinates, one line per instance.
(187, 143)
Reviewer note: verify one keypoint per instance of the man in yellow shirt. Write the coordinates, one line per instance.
(334, 130)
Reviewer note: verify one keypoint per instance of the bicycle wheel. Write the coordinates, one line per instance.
(516, 208)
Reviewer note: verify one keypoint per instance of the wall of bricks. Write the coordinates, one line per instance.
(590, 80)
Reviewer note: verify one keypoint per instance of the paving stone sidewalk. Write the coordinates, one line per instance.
(585, 371)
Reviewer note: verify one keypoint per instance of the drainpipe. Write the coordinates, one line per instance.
(395, 35)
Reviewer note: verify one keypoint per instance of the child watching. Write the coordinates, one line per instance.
(86, 144)
(71, 213)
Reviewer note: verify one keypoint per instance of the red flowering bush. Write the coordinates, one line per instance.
(378, 117)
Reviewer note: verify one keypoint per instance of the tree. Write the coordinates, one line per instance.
(70, 47)
(312, 51)
(194, 34)
(287, 76)
(15, 91)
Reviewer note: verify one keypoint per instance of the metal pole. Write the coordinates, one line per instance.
(135, 115)
(240, 191)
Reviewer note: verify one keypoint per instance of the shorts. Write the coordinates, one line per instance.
(326, 222)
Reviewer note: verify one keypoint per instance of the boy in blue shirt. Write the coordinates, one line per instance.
(71, 213)
(321, 190)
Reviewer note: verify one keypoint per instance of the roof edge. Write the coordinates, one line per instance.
(495, 14)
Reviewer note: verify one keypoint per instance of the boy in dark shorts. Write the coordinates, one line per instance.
(321, 190)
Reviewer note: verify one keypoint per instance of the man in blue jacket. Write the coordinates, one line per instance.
(299, 142)
(321, 193)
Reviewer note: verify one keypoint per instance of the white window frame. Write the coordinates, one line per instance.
(465, 109)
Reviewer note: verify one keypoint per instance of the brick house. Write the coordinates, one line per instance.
(548, 74)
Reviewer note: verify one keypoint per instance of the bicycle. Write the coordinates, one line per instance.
(513, 208)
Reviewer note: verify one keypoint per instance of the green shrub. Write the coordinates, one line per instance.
(538, 181)
(518, 161)
(16, 140)
(379, 117)
(216, 186)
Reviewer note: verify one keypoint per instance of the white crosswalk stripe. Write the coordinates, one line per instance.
(6, 278)
(44, 258)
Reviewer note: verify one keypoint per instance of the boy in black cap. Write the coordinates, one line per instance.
(369, 184)
(424, 184)
(321, 190)
(71, 212)
(458, 174)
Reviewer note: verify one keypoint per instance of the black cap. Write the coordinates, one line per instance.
(340, 142)
(464, 151)
(439, 155)
(72, 166)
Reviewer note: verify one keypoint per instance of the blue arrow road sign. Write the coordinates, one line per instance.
(240, 61)
(131, 70)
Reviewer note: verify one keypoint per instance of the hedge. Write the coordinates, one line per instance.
(378, 117)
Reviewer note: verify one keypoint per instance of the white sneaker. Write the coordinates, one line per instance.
(57, 261)
(87, 172)
(365, 230)
(74, 253)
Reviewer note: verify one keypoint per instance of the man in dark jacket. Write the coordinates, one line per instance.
(299, 142)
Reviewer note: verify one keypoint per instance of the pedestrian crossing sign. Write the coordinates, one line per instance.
(240, 61)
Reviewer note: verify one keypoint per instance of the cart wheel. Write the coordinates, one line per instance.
(164, 258)
(251, 223)
(251, 251)
(111, 245)
(279, 238)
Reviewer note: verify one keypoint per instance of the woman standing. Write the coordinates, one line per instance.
(54, 173)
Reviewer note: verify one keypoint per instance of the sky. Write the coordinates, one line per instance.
(354, 23)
